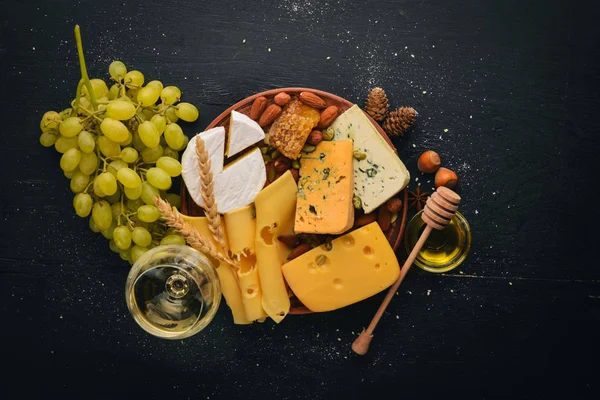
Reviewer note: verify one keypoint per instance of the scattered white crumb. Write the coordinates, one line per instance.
(329, 58)
(317, 334)
(397, 317)
(451, 291)
(414, 145)
(417, 179)
(409, 292)
(510, 283)
(428, 292)
(446, 130)
(269, 49)
(470, 116)
(244, 41)
(412, 55)
(339, 339)
(476, 212)
(424, 91)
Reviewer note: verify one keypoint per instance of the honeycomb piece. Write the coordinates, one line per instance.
(291, 129)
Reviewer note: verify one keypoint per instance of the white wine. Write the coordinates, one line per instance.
(173, 291)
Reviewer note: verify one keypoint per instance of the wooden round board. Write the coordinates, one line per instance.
(393, 234)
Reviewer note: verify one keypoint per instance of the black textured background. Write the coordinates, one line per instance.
(514, 83)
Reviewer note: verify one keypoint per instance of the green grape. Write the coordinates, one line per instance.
(47, 139)
(141, 236)
(131, 94)
(70, 160)
(79, 182)
(88, 163)
(158, 178)
(50, 121)
(173, 200)
(174, 136)
(151, 154)
(70, 174)
(107, 183)
(122, 237)
(129, 178)
(66, 113)
(115, 210)
(134, 79)
(170, 166)
(129, 155)
(102, 101)
(137, 251)
(148, 193)
(93, 225)
(133, 193)
(86, 141)
(133, 204)
(149, 134)
(160, 122)
(113, 246)
(108, 148)
(156, 84)
(70, 127)
(113, 92)
(98, 87)
(108, 233)
(186, 140)
(147, 114)
(114, 198)
(137, 142)
(171, 114)
(117, 70)
(97, 191)
(163, 142)
(82, 203)
(172, 239)
(147, 96)
(115, 166)
(102, 215)
(125, 255)
(187, 112)
(129, 139)
(169, 152)
(64, 143)
(84, 102)
(114, 130)
(148, 213)
(120, 110)
(170, 95)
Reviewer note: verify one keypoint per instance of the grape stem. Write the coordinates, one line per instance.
(84, 74)
(76, 106)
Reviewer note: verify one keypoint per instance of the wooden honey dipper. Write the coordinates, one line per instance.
(439, 210)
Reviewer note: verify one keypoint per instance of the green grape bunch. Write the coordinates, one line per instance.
(120, 148)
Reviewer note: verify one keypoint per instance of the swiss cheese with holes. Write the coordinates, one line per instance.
(360, 264)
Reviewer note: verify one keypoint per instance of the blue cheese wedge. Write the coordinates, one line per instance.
(381, 174)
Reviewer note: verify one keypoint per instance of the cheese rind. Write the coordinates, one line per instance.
(379, 176)
(359, 265)
(325, 189)
(243, 133)
(275, 210)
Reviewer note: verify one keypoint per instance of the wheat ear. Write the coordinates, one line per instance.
(208, 194)
(185, 229)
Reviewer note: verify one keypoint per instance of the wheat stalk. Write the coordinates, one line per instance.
(191, 235)
(208, 195)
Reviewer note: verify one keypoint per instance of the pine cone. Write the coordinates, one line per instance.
(377, 104)
(398, 121)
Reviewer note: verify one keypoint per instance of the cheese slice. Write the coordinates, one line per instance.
(240, 225)
(275, 210)
(227, 276)
(236, 184)
(381, 174)
(243, 133)
(325, 189)
(360, 264)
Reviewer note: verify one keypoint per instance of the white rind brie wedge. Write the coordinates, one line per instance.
(243, 133)
(236, 184)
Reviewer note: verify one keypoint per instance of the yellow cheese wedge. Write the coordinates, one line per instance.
(275, 208)
(360, 264)
(325, 189)
(227, 276)
(240, 225)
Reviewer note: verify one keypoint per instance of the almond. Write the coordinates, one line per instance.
(288, 240)
(295, 174)
(327, 117)
(269, 115)
(365, 219)
(394, 205)
(312, 100)
(282, 164)
(384, 218)
(281, 99)
(315, 138)
(259, 105)
(298, 251)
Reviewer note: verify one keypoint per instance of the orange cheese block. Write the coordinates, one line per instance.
(360, 264)
(325, 189)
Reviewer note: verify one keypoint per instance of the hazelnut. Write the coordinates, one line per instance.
(295, 174)
(394, 205)
(281, 99)
(315, 138)
(445, 177)
(429, 162)
(282, 164)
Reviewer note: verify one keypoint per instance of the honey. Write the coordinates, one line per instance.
(444, 250)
